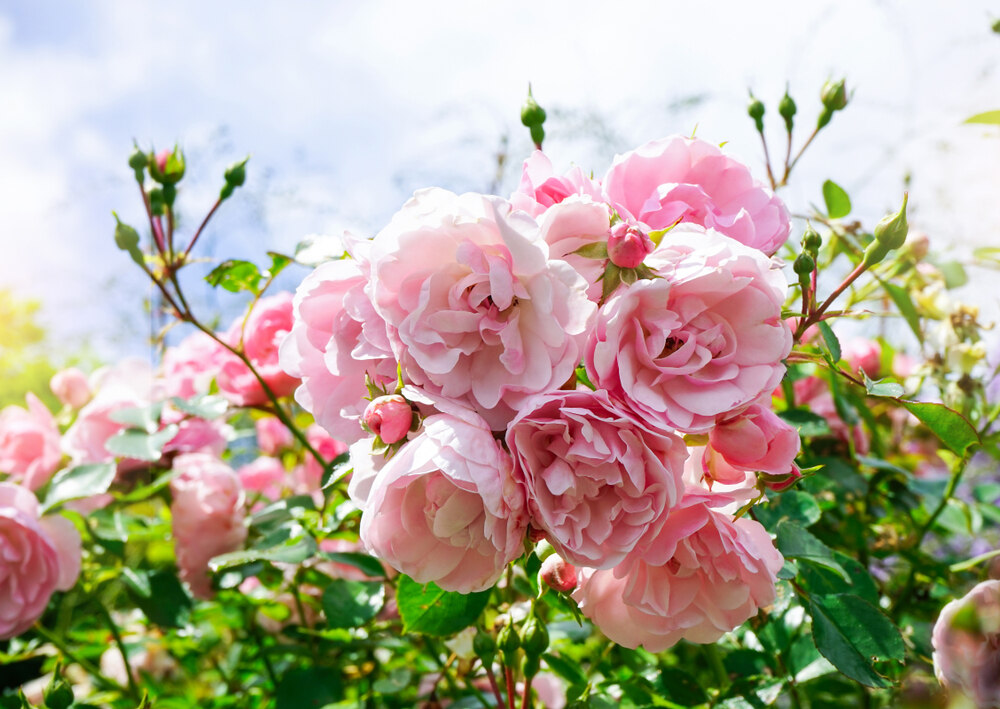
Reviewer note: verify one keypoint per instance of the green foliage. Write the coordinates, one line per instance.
(430, 610)
(838, 204)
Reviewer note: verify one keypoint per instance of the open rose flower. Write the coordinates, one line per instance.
(445, 508)
(701, 343)
(268, 324)
(541, 187)
(598, 481)
(208, 516)
(336, 340)
(701, 577)
(476, 311)
(190, 366)
(41, 555)
(571, 225)
(691, 180)
(965, 639)
(29, 443)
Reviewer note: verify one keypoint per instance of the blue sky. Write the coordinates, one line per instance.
(349, 107)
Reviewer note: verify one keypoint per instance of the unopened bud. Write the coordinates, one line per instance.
(558, 574)
(755, 109)
(389, 417)
(137, 160)
(236, 174)
(71, 387)
(811, 241)
(787, 109)
(804, 264)
(628, 246)
(834, 95)
(167, 166)
(531, 113)
(534, 638)
(892, 229)
(537, 135)
(508, 642)
(57, 694)
(485, 647)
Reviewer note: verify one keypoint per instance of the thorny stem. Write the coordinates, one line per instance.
(508, 674)
(493, 683)
(816, 315)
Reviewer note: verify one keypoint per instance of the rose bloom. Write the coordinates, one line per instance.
(701, 343)
(756, 440)
(189, 368)
(966, 639)
(541, 188)
(336, 340)
(863, 354)
(598, 481)
(691, 180)
(41, 555)
(701, 577)
(475, 309)
(29, 443)
(328, 447)
(208, 516)
(71, 387)
(272, 435)
(445, 508)
(264, 475)
(572, 224)
(266, 327)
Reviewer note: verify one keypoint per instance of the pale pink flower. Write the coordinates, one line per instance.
(189, 367)
(264, 330)
(196, 435)
(264, 475)
(29, 443)
(41, 555)
(389, 417)
(756, 440)
(965, 639)
(208, 516)
(699, 344)
(336, 340)
(541, 188)
(863, 354)
(572, 224)
(598, 480)
(71, 387)
(328, 447)
(475, 309)
(628, 246)
(691, 180)
(445, 508)
(558, 574)
(272, 435)
(702, 576)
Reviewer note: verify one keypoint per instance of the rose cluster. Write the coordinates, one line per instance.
(507, 370)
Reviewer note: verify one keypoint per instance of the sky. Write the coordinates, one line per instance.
(347, 108)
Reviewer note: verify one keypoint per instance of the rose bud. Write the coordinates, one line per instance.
(71, 387)
(628, 246)
(557, 574)
(389, 417)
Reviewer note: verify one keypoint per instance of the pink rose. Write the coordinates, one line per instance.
(756, 440)
(336, 340)
(328, 447)
(569, 226)
(195, 435)
(265, 328)
(40, 556)
(189, 368)
(863, 354)
(208, 516)
(598, 481)
(272, 435)
(475, 310)
(541, 188)
(389, 418)
(699, 344)
(29, 443)
(965, 639)
(691, 180)
(71, 387)
(445, 508)
(702, 576)
(558, 574)
(265, 476)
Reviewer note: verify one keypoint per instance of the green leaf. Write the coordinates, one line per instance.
(567, 669)
(680, 688)
(160, 595)
(951, 427)
(597, 250)
(235, 276)
(807, 423)
(838, 204)
(987, 253)
(137, 444)
(987, 117)
(831, 341)
(308, 688)
(901, 297)
(291, 545)
(792, 505)
(853, 634)
(433, 611)
(206, 407)
(882, 387)
(79, 482)
(278, 263)
(822, 582)
(127, 239)
(794, 542)
(351, 604)
(145, 417)
(954, 274)
(368, 565)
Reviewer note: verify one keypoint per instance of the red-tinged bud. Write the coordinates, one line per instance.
(628, 246)
(389, 417)
(557, 574)
(777, 483)
(161, 159)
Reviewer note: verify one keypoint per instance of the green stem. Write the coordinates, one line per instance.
(88, 666)
(718, 669)
(109, 621)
